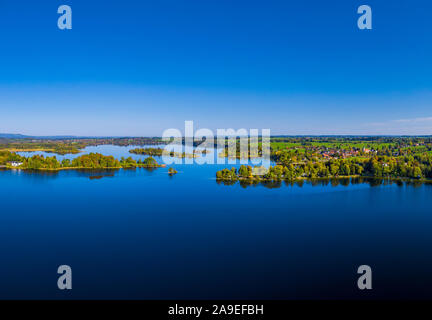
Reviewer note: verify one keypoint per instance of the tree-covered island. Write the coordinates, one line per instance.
(161, 152)
(172, 171)
(11, 160)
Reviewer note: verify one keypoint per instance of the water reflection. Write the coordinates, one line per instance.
(333, 182)
(92, 174)
(98, 177)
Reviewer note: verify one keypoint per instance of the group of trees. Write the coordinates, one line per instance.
(148, 151)
(95, 160)
(308, 165)
(418, 166)
(160, 152)
(87, 161)
(172, 171)
(6, 156)
(226, 174)
(148, 162)
(290, 168)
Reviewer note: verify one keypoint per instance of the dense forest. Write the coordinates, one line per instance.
(289, 168)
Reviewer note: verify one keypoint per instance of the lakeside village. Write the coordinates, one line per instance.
(310, 159)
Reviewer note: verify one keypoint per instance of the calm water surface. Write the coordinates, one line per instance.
(140, 234)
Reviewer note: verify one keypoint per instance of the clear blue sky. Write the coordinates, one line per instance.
(140, 67)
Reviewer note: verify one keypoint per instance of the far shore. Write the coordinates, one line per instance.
(48, 150)
(29, 150)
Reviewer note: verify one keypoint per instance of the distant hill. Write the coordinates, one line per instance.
(13, 136)
(21, 136)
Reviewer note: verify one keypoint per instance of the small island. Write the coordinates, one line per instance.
(172, 171)
(161, 152)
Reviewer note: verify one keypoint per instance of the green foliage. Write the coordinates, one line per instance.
(95, 161)
(290, 168)
(161, 152)
(172, 171)
(148, 151)
(87, 161)
(227, 175)
(244, 171)
(150, 162)
(128, 162)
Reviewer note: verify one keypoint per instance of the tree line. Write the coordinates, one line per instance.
(87, 161)
(411, 166)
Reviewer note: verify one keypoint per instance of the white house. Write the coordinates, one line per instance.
(15, 163)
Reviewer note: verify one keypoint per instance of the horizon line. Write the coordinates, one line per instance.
(23, 136)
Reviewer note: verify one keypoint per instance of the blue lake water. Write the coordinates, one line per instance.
(140, 234)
